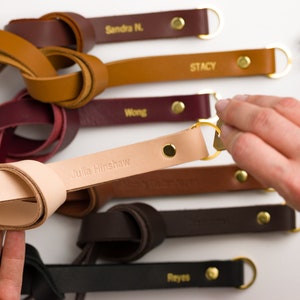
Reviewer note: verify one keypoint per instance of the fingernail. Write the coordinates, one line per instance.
(241, 97)
(221, 104)
(225, 129)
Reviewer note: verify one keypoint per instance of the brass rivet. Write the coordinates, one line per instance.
(244, 62)
(177, 23)
(169, 150)
(241, 175)
(212, 273)
(263, 218)
(177, 107)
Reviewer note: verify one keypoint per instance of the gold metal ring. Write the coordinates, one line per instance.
(216, 97)
(217, 129)
(253, 268)
(287, 54)
(219, 29)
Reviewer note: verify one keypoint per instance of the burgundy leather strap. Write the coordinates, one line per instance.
(165, 182)
(69, 29)
(126, 232)
(65, 123)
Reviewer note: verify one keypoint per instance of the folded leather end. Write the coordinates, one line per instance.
(33, 193)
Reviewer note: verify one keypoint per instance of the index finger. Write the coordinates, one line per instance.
(12, 264)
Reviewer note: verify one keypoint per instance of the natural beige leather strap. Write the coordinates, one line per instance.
(76, 89)
(33, 190)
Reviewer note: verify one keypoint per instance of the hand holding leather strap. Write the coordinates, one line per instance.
(164, 182)
(50, 282)
(127, 232)
(69, 29)
(35, 190)
(65, 123)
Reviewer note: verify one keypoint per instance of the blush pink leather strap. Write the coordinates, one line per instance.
(33, 190)
(65, 123)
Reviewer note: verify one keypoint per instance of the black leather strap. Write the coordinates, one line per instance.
(50, 282)
(128, 231)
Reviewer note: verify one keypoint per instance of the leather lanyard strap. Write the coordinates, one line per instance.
(50, 282)
(76, 89)
(35, 190)
(164, 182)
(126, 232)
(65, 123)
(69, 29)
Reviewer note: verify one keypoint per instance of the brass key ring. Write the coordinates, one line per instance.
(253, 268)
(218, 30)
(218, 131)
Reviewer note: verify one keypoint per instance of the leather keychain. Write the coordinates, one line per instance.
(126, 232)
(76, 89)
(71, 30)
(50, 282)
(65, 123)
(33, 190)
(164, 182)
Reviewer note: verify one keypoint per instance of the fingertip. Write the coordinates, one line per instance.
(241, 97)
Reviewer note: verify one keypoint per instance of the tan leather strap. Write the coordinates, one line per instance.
(69, 29)
(33, 190)
(160, 183)
(87, 83)
(158, 68)
(76, 89)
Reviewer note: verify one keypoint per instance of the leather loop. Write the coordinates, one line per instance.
(72, 90)
(69, 90)
(81, 27)
(64, 127)
(36, 177)
(146, 222)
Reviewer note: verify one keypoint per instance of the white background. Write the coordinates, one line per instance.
(247, 24)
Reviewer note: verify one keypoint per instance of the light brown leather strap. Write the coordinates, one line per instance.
(86, 84)
(164, 182)
(76, 89)
(69, 29)
(33, 190)
(159, 68)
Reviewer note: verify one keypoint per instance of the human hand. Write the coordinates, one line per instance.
(12, 264)
(262, 133)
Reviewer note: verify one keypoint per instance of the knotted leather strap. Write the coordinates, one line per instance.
(41, 65)
(165, 182)
(76, 89)
(69, 29)
(126, 232)
(50, 282)
(65, 123)
(33, 190)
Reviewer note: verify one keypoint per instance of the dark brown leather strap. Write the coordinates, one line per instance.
(165, 182)
(126, 232)
(50, 282)
(65, 123)
(69, 29)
